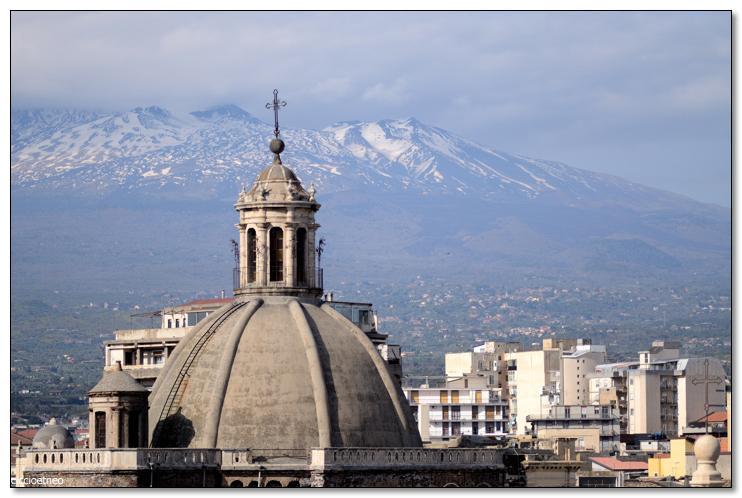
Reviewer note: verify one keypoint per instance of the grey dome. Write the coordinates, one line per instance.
(53, 436)
(282, 374)
(117, 381)
(277, 172)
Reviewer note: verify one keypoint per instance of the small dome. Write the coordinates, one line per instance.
(277, 172)
(53, 436)
(117, 381)
(278, 373)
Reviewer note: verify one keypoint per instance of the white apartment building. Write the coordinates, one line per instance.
(462, 407)
(532, 381)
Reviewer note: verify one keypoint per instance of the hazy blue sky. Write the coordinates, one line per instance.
(645, 96)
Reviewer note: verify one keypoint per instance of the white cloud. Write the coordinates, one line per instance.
(386, 93)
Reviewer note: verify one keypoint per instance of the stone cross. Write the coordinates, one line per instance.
(275, 105)
(707, 380)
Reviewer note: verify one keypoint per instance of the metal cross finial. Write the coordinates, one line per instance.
(275, 105)
(707, 380)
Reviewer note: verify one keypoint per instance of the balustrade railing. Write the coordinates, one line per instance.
(251, 280)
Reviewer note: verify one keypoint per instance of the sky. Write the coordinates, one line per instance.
(644, 96)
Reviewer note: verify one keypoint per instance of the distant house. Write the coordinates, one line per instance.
(22, 438)
(716, 421)
(621, 469)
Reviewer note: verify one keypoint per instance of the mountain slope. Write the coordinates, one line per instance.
(419, 198)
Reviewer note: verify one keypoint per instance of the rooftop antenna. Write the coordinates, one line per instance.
(235, 251)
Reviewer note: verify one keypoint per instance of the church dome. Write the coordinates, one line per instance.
(277, 172)
(53, 436)
(117, 381)
(279, 373)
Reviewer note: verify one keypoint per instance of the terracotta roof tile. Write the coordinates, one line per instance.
(612, 463)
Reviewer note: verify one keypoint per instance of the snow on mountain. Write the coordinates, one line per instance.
(419, 197)
(33, 125)
(225, 146)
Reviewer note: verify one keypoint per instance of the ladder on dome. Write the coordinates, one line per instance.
(181, 381)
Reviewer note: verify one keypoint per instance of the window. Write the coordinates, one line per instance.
(566, 412)
(169, 323)
(252, 255)
(100, 429)
(489, 427)
(474, 412)
(301, 255)
(455, 413)
(475, 428)
(177, 323)
(193, 318)
(276, 254)
(415, 396)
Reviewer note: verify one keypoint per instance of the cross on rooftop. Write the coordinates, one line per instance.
(707, 380)
(275, 105)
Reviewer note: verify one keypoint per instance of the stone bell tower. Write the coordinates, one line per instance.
(277, 241)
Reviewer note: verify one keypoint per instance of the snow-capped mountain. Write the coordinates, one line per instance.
(224, 146)
(416, 198)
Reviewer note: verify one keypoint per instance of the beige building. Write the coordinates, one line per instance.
(532, 381)
(594, 427)
(660, 393)
(557, 374)
(578, 364)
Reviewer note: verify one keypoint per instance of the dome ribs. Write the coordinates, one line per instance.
(216, 402)
(181, 381)
(319, 388)
(391, 387)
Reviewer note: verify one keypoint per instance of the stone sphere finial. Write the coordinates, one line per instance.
(277, 146)
(707, 451)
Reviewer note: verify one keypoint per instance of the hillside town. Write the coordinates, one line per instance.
(575, 419)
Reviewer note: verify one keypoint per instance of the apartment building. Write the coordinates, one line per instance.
(578, 363)
(533, 383)
(487, 360)
(594, 427)
(660, 393)
(532, 380)
(464, 406)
